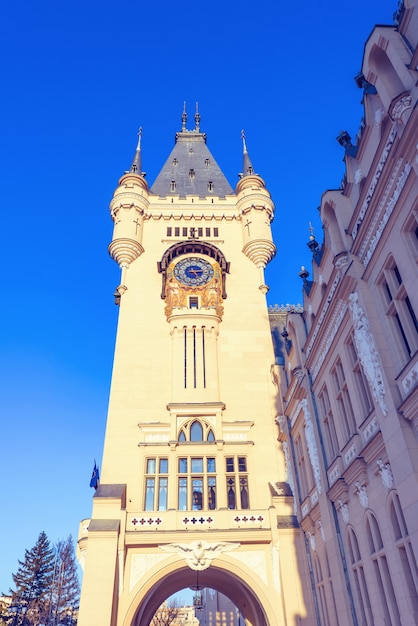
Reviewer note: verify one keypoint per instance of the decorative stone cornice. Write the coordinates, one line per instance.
(124, 251)
(260, 251)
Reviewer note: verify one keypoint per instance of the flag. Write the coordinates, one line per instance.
(94, 481)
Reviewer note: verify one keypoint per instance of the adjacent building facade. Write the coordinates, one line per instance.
(348, 360)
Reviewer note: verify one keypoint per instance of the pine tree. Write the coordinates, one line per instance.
(31, 598)
(65, 590)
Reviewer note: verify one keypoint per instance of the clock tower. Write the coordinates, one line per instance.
(193, 491)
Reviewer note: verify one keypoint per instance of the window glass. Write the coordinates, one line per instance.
(196, 432)
(162, 495)
(182, 494)
(197, 492)
(212, 493)
(149, 494)
(151, 466)
(197, 465)
(242, 464)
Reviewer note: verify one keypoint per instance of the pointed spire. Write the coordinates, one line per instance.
(184, 119)
(136, 167)
(247, 169)
(197, 119)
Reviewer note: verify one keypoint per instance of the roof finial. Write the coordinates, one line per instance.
(197, 118)
(248, 166)
(184, 118)
(244, 145)
(136, 167)
(311, 230)
(312, 244)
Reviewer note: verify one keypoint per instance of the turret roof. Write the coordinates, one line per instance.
(191, 169)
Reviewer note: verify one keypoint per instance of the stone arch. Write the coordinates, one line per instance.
(241, 586)
(331, 223)
(386, 65)
(193, 247)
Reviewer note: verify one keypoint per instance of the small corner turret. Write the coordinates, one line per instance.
(127, 208)
(256, 209)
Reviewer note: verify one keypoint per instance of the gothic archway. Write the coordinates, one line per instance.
(238, 585)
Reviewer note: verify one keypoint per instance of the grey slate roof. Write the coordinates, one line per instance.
(191, 169)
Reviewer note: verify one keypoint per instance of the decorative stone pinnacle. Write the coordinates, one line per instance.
(197, 118)
(184, 118)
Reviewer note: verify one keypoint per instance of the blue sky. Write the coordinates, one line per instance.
(77, 80)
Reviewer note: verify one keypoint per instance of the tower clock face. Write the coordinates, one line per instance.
(193, 271)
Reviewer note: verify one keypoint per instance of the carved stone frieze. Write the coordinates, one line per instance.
(323, 349)
(323, 312)
(343, 508)
(311, 537)
(388, 212)
(288, 466)
(321, 529)
(400, 107)
(311, 443)
(386, 475)
(375, 180)
(361, 491)
(367, 352)
(341, 260)
(410, 381)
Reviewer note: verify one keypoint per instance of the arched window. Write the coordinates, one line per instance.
(387, 600)
(320, 589)
(195, 431)
(362, 595)
(406, 556)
